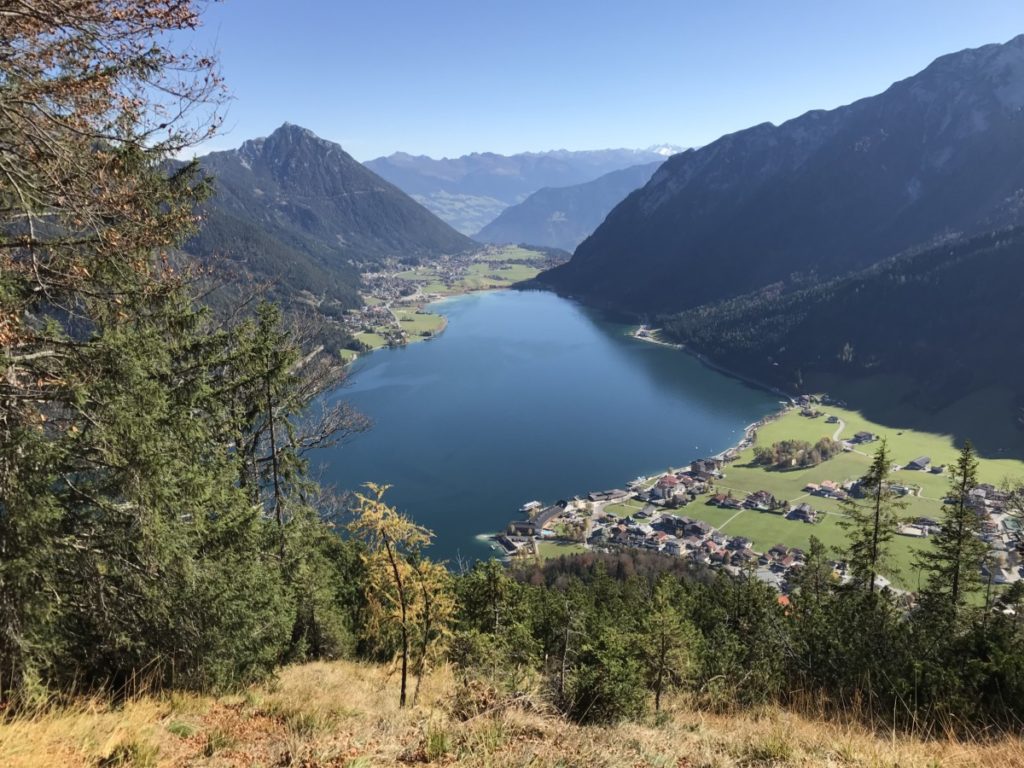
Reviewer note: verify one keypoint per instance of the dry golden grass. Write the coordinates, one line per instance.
(346, 714)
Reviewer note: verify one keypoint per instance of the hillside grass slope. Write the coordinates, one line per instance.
(346, 714)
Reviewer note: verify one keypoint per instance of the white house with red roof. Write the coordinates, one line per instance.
(668, 487)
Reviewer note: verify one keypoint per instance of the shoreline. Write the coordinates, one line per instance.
(421, 306)
(643, 333)
(416, 339)
(748, 435)
(732, 374)
(620, 316)
(707, 362)
(730, 453)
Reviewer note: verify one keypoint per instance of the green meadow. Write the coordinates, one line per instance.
(415, 322)
(549, 549)
(767, 529)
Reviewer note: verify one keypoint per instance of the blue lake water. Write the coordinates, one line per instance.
(525, 396)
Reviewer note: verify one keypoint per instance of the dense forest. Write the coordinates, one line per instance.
(159, 527)
(945, 315)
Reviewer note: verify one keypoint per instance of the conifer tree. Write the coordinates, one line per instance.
(669, 640)
(953, 562)
(131, 545)
(94, 103)
(871, 522)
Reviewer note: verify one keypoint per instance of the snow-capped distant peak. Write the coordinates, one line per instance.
(665, 150)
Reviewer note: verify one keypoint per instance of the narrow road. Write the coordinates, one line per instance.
(839, 429)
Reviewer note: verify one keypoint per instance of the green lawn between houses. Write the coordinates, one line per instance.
(548, 549)
(624, 509)
(766, 529)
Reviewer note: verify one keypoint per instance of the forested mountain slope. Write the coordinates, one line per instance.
(821, 195)
(949, 316)
(301, 213)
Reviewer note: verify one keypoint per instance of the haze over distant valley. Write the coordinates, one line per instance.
(563, 217)
(472, 190)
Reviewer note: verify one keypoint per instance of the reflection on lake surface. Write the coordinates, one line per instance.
(527, 396)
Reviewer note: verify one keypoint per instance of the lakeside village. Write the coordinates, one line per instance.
(393, 313)
(654, 520)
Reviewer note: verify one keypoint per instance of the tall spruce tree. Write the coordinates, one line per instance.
(870, 522)
(669, 640)
(90, 99)
(132, 550)
(954, 561)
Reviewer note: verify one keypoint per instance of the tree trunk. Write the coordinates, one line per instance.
(874, 536)
(425, 643)
(275, 466)
(405, 626)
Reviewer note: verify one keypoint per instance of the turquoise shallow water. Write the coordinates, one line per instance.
(526, 396)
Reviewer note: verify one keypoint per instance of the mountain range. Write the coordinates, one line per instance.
(300, 213)
(937, 154)
(877, 237)
(470, 191)
(562, 217)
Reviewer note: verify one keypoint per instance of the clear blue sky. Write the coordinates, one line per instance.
(447, 77)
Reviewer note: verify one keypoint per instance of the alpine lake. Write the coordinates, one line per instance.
(526, 396)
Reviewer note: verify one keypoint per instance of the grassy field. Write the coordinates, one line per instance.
(415, 323)
(549, 549)
(346, 714)
(435, 286)
(509, 253)
(624, 509)
(483, 275)
(905, 444)
(416, 273)
(373, 340)
(986, 417)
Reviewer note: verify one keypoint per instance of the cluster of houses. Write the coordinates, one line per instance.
(385, 286)
(765, 501)
(367, 319)
(698, 541)
(375, 319)
(658, 526)
(675, 489)
(829, 489)
(519, 536)
(1002, 531)
(677, 535)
